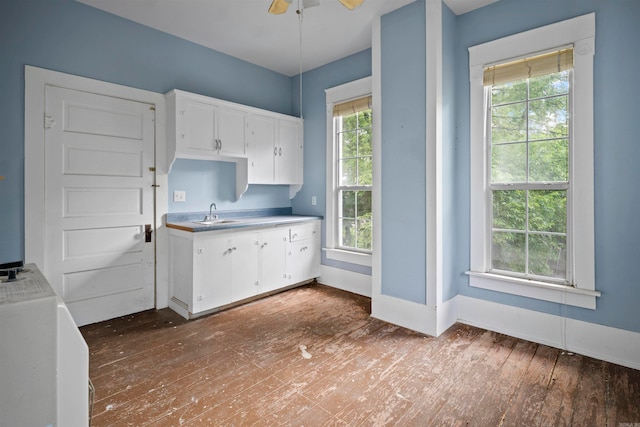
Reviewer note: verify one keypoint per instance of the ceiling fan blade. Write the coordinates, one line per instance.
(310, 3)
(351, 4)
(279, 6)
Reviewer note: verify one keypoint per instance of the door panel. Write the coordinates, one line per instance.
(98, 198)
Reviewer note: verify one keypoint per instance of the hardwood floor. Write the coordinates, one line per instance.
(245, 366)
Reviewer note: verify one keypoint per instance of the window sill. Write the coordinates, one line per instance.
(348, 256)
(533, 289)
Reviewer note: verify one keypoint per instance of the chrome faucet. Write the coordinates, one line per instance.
(211, 217)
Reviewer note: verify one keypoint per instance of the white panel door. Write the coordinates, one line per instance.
(99, 203)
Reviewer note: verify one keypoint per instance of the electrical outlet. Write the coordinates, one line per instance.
(179, 196)
(313, 200)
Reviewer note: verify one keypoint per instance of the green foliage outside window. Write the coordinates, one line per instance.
(355, 180)
(530, 151)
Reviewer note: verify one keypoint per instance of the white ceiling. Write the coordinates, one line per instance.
(244, 29)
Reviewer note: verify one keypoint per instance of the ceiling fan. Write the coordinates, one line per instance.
(280, 6)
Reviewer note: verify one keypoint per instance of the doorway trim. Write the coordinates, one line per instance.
(34, 136)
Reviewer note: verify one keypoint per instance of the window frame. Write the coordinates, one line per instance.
(579, 32)
(336, 95)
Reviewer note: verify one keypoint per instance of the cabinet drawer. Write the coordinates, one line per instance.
(304, 231)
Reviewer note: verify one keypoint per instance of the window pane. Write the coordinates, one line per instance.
(509, 92)
(549, 161)
(350, 122)
(348, 204)
(364, 142)
(508, 123)
(348, 232)
(363, 204)
(364, 119)
(509, 163)
(509, 209)
(508, 251)
(549, 85)
(547, 255)
(348, 144)
(364, 171)
(364, 234)
(348, 172)
(548, 118)
(548, 211)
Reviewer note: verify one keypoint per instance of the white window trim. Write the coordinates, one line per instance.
(336, 95)
(580, 32)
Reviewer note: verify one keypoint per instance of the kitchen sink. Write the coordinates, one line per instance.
(217, 222)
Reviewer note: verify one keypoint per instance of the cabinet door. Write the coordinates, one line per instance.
(212, 272)
(245, 265)
(290, 149)
(272, 259)
(303, 252)
(198, 127)
(231, 130)
(260, 149)
(303, 260)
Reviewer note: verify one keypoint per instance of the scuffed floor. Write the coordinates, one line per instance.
(312, 356)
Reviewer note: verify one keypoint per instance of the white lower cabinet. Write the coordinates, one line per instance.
(303, 254)
(213, 269)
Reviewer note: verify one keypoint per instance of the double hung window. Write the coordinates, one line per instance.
(349, 221)
(528, 142)
(531, 189)
(352, 126)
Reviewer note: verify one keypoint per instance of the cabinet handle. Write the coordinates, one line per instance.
(220, 144)
(294, 236)
(280, 151)
(233, 248)
(275, 151)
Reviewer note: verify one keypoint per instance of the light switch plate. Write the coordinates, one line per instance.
(179, 196)
(313, 200)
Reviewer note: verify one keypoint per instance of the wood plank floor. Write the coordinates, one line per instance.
(244, 366)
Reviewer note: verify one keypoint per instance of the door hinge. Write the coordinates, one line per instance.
(152, 108)
(49, 121)
(152, 169)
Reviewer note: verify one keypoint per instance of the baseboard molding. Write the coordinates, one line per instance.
(346, 280)
(589, 339)
(411, 315)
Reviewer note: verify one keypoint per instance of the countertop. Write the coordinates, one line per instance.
(194, 222)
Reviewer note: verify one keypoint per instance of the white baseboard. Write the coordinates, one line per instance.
(346, 280)
(411, 315)
(589, 339)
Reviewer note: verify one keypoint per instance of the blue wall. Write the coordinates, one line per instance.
(67, 36)
(314, 83)
(207, 182)
(617, 147)
(403, 47)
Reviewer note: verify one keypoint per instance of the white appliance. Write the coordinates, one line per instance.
(44, 360)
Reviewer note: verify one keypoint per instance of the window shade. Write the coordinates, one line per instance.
(552, 62)
(352, 107)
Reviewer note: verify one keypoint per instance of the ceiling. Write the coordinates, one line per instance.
(244, 29)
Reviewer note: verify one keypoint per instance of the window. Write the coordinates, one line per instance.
(349, 219)
(532, 163)
(528, 141)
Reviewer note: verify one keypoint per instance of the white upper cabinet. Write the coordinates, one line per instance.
(275, 150)
(205, 128)
(267, 147)
(288, 165)
(262, 148)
